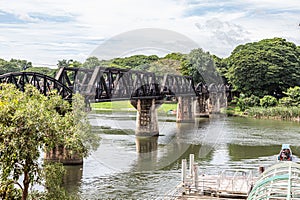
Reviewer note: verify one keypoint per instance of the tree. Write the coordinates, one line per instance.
(69, 63)
(137, 62)
(43, 70)
(267, 67)
(13, 65)
(165, 66)
(221, 67)
(21, 64)
(91, 62)
(200, 65)
(174, 56)
(31, 122)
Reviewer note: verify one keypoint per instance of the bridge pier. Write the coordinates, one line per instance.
(62, 155)
(217, 98)
(184, 110)
(146, 119)
(201, 106)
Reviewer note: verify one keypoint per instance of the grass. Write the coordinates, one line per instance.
(126, 106)
(232, 110)
(278, 112)
(284, 113)
(116, 105)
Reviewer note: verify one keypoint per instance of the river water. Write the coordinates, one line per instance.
(126, 167)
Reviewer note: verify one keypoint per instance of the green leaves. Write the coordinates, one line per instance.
(267, 67)
(30, 122)
(200, 65)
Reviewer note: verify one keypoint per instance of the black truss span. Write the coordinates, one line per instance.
(43, 83)
(107, 84)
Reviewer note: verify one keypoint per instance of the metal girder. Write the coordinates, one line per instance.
(43, 83)
(106, 84)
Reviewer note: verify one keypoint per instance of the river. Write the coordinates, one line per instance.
(126, 167)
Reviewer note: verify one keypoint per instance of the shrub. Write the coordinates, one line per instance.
(245, 102)
(293, 97)
(268, 101)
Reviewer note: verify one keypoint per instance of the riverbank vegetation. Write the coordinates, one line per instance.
(256, 70)
(285, 108)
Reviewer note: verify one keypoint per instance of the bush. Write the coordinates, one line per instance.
(245, 102)
(293, 97)
(268, 101)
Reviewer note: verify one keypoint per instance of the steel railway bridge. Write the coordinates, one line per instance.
(145, 90)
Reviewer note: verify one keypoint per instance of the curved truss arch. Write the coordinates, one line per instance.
(45, 84)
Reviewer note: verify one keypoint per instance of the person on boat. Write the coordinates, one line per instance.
(285, 155)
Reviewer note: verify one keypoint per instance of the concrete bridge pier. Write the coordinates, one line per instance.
(201, 106)
(184, 110)
(217, 98)
(146, 119)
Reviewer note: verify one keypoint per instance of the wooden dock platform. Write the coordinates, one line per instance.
(229, 184)
(281, 181)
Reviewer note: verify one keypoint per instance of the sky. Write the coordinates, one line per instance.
(44, 32)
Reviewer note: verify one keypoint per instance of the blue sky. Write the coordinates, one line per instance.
(50, 30)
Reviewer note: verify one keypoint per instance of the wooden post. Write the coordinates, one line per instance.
(183, 170)
(196, 175)
(191, 164)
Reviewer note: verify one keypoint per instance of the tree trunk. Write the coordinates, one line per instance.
(26, 182)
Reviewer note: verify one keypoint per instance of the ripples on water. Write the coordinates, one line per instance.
(117, 171)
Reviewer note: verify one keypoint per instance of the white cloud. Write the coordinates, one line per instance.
(51, 30)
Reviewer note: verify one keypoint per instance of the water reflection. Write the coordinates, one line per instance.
(130, 167)
(146, 148)
(238, 152)
(72, 178)
(146, 144)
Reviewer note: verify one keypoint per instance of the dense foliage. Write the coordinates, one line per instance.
(200, 65)
(292, 97)
(244, 102)
(268, 101)
(267, 67)
(13, 65)
(30, 122)
(137, 62)
(43, 70)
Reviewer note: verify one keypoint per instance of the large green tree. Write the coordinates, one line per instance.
(91, 62)
(29, 123)
(267, 67)
(200, 65)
